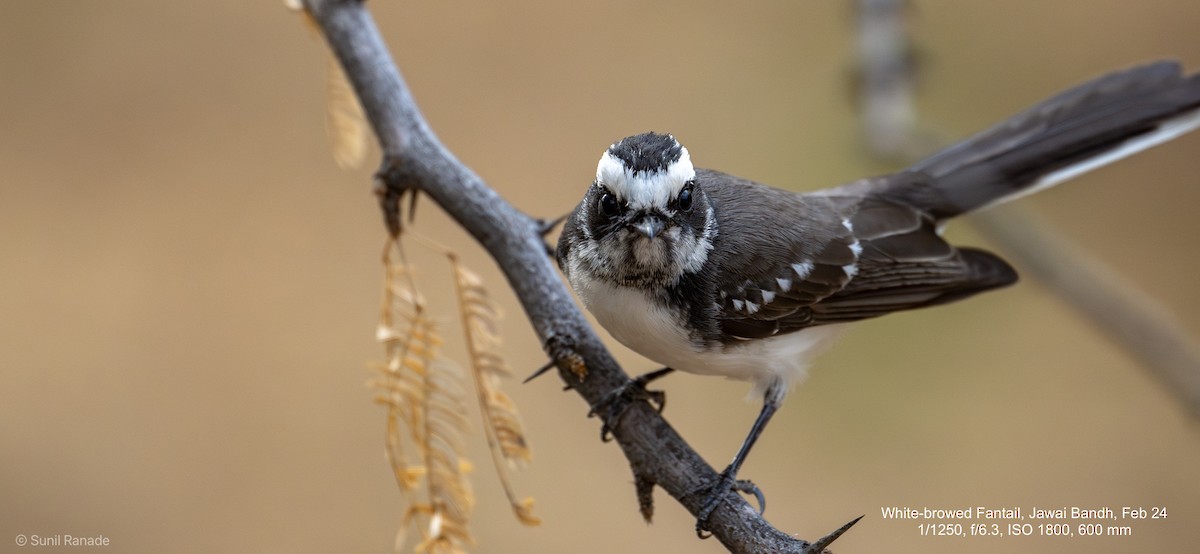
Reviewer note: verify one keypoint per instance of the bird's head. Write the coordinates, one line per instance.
(645, 220)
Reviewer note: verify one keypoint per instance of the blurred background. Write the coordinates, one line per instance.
(190, 286)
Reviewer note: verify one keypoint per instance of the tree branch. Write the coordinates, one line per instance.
(414, 161)
(1133, 319)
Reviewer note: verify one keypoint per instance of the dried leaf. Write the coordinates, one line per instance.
(424, 394)
(448, 488)
(502, 422)
(344, 120)
(345, 123)
(426, 416)
(524, 512)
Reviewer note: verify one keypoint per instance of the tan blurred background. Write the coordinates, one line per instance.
(189, 286)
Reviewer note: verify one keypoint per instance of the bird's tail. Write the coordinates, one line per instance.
(1081, 129)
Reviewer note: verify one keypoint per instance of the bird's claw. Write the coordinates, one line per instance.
(717, 491)
(614, 404)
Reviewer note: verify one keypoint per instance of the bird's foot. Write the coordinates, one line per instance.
(614, 404)
(726, 482)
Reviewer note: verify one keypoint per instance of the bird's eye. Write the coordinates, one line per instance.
(608, 205)
(685, 198)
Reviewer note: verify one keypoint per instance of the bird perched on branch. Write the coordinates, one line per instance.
(713, 274)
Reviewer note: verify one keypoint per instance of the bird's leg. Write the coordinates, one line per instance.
(728, 479)
(614, 403)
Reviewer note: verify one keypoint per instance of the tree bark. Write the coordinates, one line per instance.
(415, 162)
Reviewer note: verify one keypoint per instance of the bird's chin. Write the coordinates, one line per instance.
(654, 254)
(649, 272)
(645, 281)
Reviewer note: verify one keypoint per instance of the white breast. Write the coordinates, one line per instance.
(649, 329)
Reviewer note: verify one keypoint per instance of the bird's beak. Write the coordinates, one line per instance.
(649, 225)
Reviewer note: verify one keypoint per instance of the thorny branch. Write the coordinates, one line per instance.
(415, 162)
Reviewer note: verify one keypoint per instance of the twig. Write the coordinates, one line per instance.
(1135, 320)
(415, 161)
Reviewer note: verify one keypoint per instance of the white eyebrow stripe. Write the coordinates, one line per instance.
(645, 189)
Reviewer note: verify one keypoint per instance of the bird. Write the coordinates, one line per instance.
(713, 274)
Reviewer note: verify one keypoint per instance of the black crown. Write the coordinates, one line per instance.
(647, 152)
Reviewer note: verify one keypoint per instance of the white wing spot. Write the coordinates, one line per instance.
(724, 295)
(849, 227)
(850, 270)
(738, 304)
(856, 248)
(768, 297)
(784, 284)
(751, 308)
(802, 269)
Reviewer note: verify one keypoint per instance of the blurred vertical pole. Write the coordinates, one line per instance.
(886, 81)
(1136, 321)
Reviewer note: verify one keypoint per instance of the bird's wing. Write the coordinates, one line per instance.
(804, 260)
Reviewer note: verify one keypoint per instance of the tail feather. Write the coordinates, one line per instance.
(1081, 129)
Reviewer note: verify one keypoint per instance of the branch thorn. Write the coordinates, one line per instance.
(541, 370)
(819, 546)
